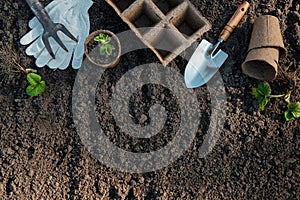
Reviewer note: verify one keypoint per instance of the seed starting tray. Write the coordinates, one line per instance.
(171, 25)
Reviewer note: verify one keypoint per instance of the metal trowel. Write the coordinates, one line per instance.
(208, 58)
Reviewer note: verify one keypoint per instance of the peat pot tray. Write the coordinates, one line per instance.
(167, 27)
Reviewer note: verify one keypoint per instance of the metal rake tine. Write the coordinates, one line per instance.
(62, 28)
(57, 39)
(45, 38)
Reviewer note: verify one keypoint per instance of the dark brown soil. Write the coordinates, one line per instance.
(256, 157)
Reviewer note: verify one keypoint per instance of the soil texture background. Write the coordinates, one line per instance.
(256, 157)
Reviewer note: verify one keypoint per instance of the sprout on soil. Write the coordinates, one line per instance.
(9, 66)
(104, 41)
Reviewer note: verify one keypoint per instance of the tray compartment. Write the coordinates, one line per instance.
(167, 5)
(143, 15)
(122, 4)
(188, 21)
(165, 42)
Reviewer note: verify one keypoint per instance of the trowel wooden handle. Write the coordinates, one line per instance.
(235, 19)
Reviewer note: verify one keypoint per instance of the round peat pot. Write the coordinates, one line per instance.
(92, 50)
(265, 48)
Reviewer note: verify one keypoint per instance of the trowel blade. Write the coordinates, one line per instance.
(202, 66)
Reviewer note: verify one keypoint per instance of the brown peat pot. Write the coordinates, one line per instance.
(92, 50)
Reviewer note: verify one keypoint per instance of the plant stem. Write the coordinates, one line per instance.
(277, 96)
(288, 96)
(20, 68)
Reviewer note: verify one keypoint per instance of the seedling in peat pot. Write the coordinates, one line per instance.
(104, 41)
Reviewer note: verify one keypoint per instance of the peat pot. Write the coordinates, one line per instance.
(93, 53)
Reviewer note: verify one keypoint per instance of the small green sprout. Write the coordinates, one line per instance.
(9, 64)
(36, 84)
(293, 111)
(102, 38)
(105, 47)
(263, 95)
(293, 108)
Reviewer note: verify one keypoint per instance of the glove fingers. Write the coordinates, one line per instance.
(51, 5)
(70, 46)
(77, 62)
(65, 56)
(35, 48)
(66, 62)
(79, 50)
(82, 6)
(33, 23)
(44, 57)
(32, 35)
(59, 60)
(78, 55)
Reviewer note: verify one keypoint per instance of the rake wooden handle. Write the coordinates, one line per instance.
(234, 20)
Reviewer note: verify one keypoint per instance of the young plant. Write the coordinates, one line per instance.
(263, 95)
(105, 47)
(36, 84)
(9, 65)
(293, 109)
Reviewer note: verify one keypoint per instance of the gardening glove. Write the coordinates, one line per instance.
(73, 14)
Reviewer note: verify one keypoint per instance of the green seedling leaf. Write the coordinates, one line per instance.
(36, 85)
(264, 89)
(33, 78)
(99, 39)
(102, 50)
(102, 38)
(106, 49)
(263, 103)
(294, 108)
(34, 90)
(293, 111)
(262, 93)
(257, 95)
(288, 115)
(109, 49)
